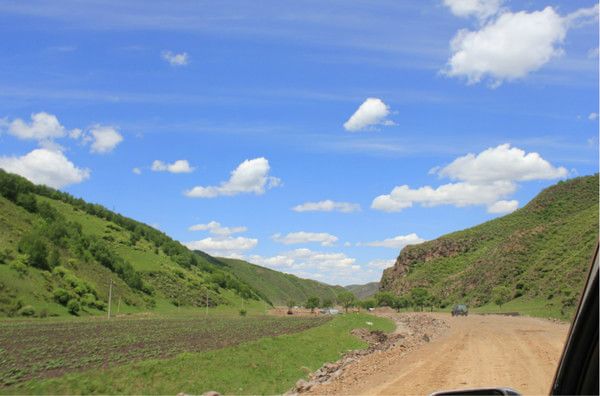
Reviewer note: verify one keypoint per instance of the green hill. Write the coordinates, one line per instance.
(278, 287)
(536, 256)
(363, 291)
(58, 255)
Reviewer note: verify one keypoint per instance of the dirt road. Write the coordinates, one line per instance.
(475, 351)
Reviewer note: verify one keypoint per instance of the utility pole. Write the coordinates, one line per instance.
(109, 297)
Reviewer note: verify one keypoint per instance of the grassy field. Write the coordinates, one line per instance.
(265, 366)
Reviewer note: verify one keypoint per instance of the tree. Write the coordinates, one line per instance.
(312, 303)
(500, 295)
(419, 297)
(290, 305)
(346, 299)
(327, 303)
(368, 304)
(385, 299)
(400, 302)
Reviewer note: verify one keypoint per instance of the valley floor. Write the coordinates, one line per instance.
(475, 351)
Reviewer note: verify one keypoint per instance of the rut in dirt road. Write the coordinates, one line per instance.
(476, 351)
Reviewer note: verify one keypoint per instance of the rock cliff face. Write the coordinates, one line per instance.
(541, 251)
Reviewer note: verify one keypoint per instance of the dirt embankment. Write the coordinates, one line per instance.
(473, 351)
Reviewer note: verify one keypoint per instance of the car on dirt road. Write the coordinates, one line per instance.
(460, 310)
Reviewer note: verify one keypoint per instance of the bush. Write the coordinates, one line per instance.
(61, 296)
(27, 310)
(73, 307)
(18, 266)
(43, 313)
(37, 251)
(243, 312)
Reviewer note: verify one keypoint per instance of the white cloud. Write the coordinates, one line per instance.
(501, 163)
(43, 126)
(381, 264)
(503, 206)
(593, 116)
(507, 48)
(137, 171)
(104, 138)
(327, 206)
(481, 9)
(593, 53)
(43, 166)
(372, 112)
(175, 59)
(251, 176)
(215, 228)
(179, 166)
(223, 247)
(397, 242)
(484, 179)
(323, 238)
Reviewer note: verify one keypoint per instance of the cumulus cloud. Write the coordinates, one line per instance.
(503, 207)
(323, 238)
(380, 264)
(502, 163)
(370, 113)
(223, 247)
(510, 45)
(104, 138)
(481, 9)
(44, 166)
(175, 59)
(179, 166)
(251, 176)
(214, 227)
(593, 116)
(483, 179)
(397, 242)
(137, 171)
(43, 126)
(327, 206)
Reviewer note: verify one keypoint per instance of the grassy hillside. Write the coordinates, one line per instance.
(59, 254)
(277, 287)
(539, 254)
(364, 291)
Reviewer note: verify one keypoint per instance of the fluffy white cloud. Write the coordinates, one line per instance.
(104, 138)
(381, 264)
(502, 163)
(503, 206)
(327, 206)
(179, 166)
(593, 116)
(223, 247)
(484, 179)
(397, 242)
(251, 176)
(215, 228)
(175, 59)
(372, 112)
(334, 267)
(43, 126)
(481, 9)
(323, 238)
(508, 48)
(43, 166)
(137, 171)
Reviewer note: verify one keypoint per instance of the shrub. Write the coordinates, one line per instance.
(243, 312)
(27, 310)
(18, 266)
(73, 307)
(61, 296)
(43, 313)
(37, 251)
(88, 299)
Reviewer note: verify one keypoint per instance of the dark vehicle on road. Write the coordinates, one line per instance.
(460, 310)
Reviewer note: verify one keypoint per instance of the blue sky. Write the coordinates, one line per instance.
(474, 107)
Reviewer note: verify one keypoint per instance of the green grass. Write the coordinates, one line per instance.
(537, 307)
(267, 366)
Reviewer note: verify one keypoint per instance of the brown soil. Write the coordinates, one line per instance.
(475, 351)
